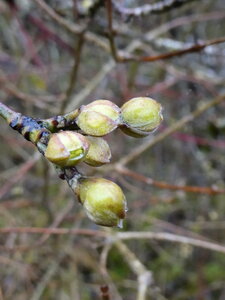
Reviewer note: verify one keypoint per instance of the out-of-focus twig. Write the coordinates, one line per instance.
(45, 190)
(195, 48)
(164, 236)
(104, 271)
(59, 231)
(1, 294)
(74, 72)
(19, 174)
(57, 221)
(165, 185)
(51, 271)
(8, 87)
(145, 278)
(86, 91)
(174, 23)
(48, 34)
(113, 48)
(156, 8)
(72, 27)
(151, 58)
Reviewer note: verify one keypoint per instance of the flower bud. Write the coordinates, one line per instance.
(99, 152)
(103, 200)
(140, 116)
(66, 148)
(98, 118)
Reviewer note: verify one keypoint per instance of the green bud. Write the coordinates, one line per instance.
(140, 116)
(99, 152)
(98, 118)
(66, 148)
(103, 201)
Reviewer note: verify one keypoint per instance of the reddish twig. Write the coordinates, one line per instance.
(70, 26)
(47, 34)
(199, 140)
(56, 231)
(194, 48)
(73, 78)
(113, 48)
(165, 185)
(19, 203)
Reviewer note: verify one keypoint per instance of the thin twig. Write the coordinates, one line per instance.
(19, 174)
(113, 48)
(195, 48)
(92, 84)
(72, 27)
(174, 23)
(164, 236)
(57, 231)
(74, 72)
(165, 185)
(145, 277)
(51, 271)
(156, 8)
(104, 271)
(1, 294)
(151, 58)
(45, 190)
(8, 87)
(57, 221)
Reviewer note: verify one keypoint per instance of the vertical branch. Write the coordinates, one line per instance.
(74, 72)
(108, 4)
(144, 276)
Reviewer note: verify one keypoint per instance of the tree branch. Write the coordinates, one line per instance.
(155, 8)
(165, 185)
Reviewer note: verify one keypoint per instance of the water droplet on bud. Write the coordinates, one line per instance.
(120, 223)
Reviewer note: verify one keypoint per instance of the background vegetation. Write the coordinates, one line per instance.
(57, 55)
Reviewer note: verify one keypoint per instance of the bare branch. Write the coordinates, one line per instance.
(164, 236)
(155, 8)
(72, 27)
(165, 185)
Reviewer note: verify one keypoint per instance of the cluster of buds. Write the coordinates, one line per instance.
(103, 200)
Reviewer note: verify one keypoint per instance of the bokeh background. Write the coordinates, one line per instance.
(55, 56)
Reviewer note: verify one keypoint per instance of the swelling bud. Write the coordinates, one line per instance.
(99, 152)
(98, 118)
(103, 201)
(66, 148)
(140, 116)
